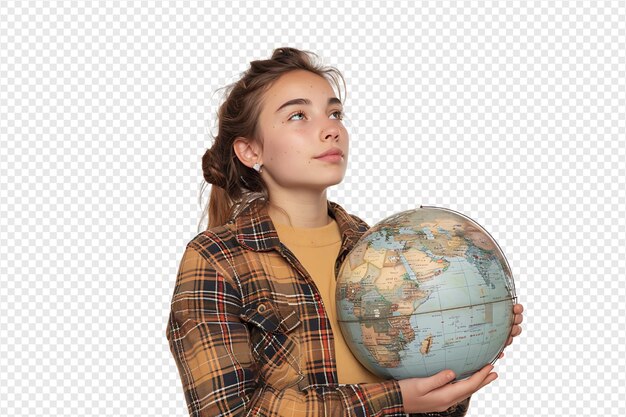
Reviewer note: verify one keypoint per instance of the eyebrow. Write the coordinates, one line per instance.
(306, 101)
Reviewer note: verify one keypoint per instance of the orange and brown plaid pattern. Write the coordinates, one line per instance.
(249, 332)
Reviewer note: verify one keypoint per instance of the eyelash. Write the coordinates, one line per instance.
(341, 115)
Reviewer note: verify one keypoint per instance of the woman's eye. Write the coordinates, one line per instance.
(296, 114)
(339, 114)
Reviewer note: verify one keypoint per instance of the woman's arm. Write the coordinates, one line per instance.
(208, 341)
(212, 348)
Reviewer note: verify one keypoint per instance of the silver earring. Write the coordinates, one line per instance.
(257, 167)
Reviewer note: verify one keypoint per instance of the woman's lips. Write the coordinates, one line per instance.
(333, 157)
(334, 154)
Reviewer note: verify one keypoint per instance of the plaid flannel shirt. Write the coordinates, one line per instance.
(249, 333)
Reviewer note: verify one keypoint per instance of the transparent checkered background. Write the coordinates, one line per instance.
(511, 112)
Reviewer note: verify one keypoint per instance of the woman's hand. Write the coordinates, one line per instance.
(518, 309)
(436, 393)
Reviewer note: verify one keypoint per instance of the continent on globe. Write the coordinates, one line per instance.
(425, 290)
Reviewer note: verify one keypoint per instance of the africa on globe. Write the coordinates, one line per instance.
(425, 290)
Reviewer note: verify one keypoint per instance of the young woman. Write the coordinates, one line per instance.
(252, 325)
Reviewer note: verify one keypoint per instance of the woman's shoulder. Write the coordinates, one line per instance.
(216, 241)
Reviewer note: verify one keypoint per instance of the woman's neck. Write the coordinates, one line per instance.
(304, 210)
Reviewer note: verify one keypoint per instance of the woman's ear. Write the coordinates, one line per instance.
(246, 150)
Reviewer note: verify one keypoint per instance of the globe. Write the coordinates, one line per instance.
(425, 290)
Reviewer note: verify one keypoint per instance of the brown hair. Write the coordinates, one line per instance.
(234, 185)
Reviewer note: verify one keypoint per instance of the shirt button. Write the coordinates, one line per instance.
(261, 308)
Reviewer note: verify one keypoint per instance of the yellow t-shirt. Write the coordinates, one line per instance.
(317, 249)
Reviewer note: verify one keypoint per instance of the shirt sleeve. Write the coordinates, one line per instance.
(457, 410)
(211, 346)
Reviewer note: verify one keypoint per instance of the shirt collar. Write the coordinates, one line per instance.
(254, 229)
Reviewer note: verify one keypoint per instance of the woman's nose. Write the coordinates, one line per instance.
(330, 133)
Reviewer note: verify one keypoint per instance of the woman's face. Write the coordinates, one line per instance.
(294, 135)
